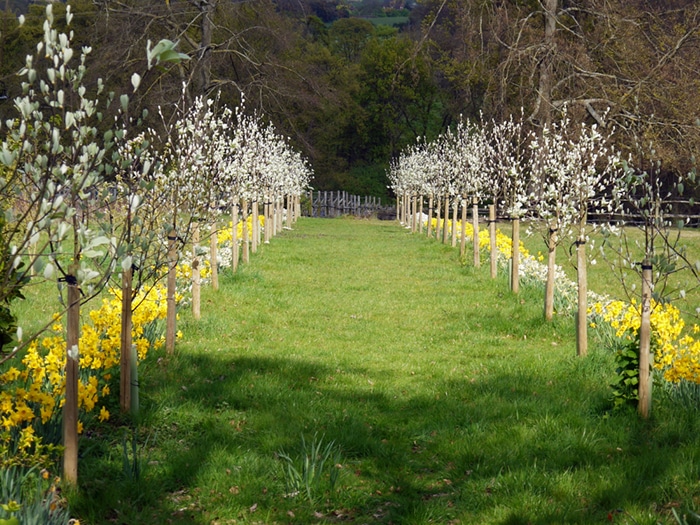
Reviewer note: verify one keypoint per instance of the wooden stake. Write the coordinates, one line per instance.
(549, 287)
(438, 211)
(582, 312)
(126, 341)
(234, 236)
(246, 240)
(196, 278)
(70, 407)
(171, 312)
(454, 223)
(475, 234)
(214, 257)
(463, 240)
(492, 240)
(446, 228)
(645, 379)
(420, 215)
(430, 215)
(515, 261)
(414, 216)
(256, 226)
(269, 222)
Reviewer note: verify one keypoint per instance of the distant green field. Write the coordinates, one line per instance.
(388, 20)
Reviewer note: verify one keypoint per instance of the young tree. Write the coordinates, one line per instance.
(643, 192)
(508, 158)
(61, 160)
(572, 167)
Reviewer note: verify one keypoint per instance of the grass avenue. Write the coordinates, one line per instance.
(356, 373)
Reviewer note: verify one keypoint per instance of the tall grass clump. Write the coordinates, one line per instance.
(312, 471)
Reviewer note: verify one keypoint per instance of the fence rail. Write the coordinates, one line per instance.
(337, 203)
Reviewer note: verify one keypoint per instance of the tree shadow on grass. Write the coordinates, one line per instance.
(506, 447)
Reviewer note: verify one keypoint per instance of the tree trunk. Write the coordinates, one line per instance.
(125, 356)
(171, 312)
(420, 216)
(475, 234)
(70, 406)
(515, 261)
(645, 379)
(544, 101)
(207, 8)
(196, 279)
(214, 257)
(549, 287)
(492, 240)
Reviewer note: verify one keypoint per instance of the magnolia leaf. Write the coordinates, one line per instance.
(86, 274)
(92, 254)
(135, 80)
(164, 51)
(39, 265)
(124, 100)
(99, 241)
(8, 157)
(48, 271)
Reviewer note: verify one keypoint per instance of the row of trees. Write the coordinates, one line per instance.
(555, 178)
(85, 200)
(352, 95)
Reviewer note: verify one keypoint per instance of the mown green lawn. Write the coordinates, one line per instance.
(446, 399)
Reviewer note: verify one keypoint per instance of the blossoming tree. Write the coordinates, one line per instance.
(508, 159)
(571, 169)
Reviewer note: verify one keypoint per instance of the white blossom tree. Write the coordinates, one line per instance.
(469, 167)
(509, 162)
(572, 168)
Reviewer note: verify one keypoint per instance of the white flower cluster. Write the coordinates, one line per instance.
(557, 176)
(213, 157)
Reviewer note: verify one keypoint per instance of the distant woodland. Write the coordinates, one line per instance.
(352, 83)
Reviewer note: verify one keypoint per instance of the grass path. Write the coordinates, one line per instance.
(447, 399)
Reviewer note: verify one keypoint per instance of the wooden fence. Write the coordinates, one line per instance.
(337, 203)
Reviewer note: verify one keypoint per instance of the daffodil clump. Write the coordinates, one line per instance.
(676, 351)
(504, 244)
(223, 237)
(33, 392)
(226, 234)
